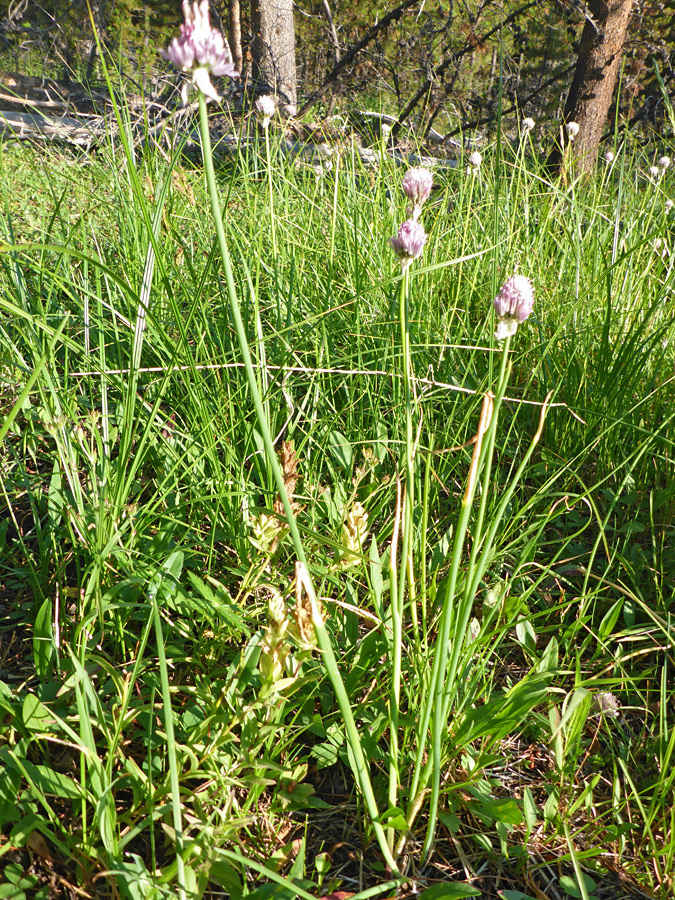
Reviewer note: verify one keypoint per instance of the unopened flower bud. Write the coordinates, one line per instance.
(276, 608)
(661, 248)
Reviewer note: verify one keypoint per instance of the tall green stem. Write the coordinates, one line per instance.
(323, 639)
(171, 750)
(485, 467)
(443, 674)
(270, 185)
(405, 575)
(409, 504)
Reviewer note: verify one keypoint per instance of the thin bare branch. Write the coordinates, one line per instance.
(353, 51)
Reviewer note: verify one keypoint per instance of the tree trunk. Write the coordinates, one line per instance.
(97, 9)
(592, 88)
(273, 49)
(234, 28)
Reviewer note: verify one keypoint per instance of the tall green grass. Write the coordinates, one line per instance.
(171, 719)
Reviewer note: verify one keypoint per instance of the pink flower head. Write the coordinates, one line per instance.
(513, 304)
(417, 184)
(409, 243)
(200, 50)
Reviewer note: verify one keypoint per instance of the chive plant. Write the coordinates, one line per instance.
(201, 49)
(178, 705)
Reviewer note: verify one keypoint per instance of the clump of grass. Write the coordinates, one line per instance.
(199, 633)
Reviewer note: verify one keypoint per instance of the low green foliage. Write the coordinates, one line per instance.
(168, 722)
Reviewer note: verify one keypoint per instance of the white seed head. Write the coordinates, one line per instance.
(606, 703)
(265, 106)
(572, 129)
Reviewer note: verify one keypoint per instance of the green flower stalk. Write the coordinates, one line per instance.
(265, 108)
(513, 304)
(408, 245)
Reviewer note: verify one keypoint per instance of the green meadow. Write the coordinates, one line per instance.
(308, 585)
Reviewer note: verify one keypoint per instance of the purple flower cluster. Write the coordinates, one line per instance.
(513, 304)
(409, 243)
(417, 184)
(200, 50)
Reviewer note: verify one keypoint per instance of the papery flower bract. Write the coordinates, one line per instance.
(572, 129)
(354, 532)
(668, 205)
(417, 183)
(475, 159)
(409, 243)
(200, 50)
(663, 162)
(513, 304)
(653, 171)
(528, 124)
(609, 156)
(266, 531)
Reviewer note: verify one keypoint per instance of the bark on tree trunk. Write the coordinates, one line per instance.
(98, 16)
(234, 28)
(273, 48)
(592, 88)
